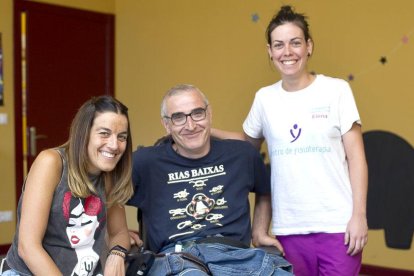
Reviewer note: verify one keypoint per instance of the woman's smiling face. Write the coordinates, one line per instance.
(289, 50)
(107, 141)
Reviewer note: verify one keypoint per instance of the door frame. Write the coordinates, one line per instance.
(18, 7)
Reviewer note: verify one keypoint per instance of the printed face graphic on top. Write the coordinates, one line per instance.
(82, 220)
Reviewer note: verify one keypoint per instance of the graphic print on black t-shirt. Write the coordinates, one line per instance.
(202, 200)
(182, 198)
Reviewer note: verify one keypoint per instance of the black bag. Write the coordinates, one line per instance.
(139, 262)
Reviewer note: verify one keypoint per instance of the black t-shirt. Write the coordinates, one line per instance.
(182, 198)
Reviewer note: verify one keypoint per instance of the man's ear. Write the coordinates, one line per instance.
(166, 125)
(210, 113)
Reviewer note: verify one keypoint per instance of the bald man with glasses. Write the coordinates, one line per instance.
(193, 194)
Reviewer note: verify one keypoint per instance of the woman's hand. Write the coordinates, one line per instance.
(114, 266)
(356, 235)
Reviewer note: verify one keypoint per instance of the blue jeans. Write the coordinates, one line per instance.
(8, 272)
(221, 260)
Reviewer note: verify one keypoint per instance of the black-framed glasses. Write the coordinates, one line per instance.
(180, 118)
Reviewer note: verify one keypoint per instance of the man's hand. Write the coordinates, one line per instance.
(266, 240)
(135, 239)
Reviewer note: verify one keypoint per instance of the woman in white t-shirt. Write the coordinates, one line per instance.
(318, 168)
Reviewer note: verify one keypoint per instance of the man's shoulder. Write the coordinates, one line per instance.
(149, 151)
(229, 141)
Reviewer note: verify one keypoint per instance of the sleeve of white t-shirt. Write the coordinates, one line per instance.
(253, 124)
(348, 111)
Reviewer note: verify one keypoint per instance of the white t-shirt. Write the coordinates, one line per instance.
(309, 172)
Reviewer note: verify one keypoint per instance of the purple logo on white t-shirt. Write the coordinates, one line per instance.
(295, 132)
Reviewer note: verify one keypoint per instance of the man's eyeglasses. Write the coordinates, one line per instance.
(180, 118)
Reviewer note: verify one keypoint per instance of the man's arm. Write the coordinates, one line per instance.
(261, 222)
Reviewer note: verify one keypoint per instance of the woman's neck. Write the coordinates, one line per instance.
(292, 84)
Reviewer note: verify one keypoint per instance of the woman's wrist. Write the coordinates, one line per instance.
(118, 251)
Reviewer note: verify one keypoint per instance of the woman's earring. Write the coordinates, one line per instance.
(309, 54)
(271, 58)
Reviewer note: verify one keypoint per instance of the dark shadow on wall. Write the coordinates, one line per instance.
(390, 204)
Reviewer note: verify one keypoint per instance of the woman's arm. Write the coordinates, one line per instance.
(40, 185)
(356, 235)
(118, 235)
(224, 134)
